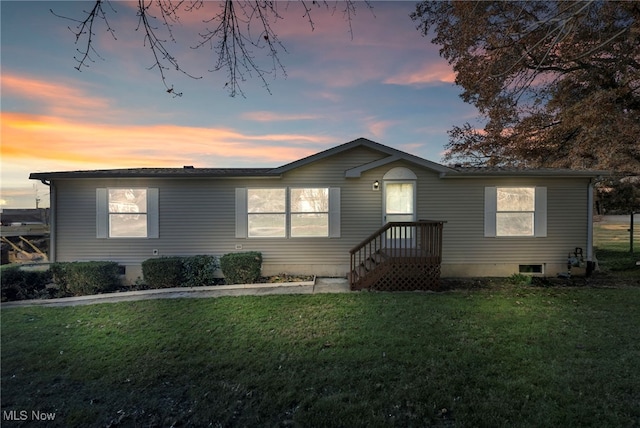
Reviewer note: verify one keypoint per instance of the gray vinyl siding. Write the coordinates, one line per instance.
(460, 202)
(462, 206)
(197, 216)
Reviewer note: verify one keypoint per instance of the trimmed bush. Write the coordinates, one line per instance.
(241, 268)
(199, 270)
(18, 284)
(163, 272)
(59, 275)
(86, 278)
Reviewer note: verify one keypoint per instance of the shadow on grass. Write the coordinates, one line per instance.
(619, 262)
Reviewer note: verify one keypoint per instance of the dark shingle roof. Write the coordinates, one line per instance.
(469, 171)
(186, 172)
(393, 154)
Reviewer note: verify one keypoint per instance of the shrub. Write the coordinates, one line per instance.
(520, 279)
(59, 275)
(85, 278)
(163, 272)
(200, 270)
(241, 268)
(19, 284)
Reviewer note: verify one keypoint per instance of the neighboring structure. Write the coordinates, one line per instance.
(306, 216)
(24, 234)
(24, 216)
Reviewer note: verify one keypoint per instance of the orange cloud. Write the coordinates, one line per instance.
(430, 73)
(32, 143)
(57, 98)
(46, 138)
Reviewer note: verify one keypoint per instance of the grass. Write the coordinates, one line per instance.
(500, 356)
(612, 249)
(508, 356)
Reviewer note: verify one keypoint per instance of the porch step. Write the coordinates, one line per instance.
(367, 266)
(403, 265)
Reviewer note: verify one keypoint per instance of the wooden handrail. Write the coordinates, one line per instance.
(416, 242)
(386, 226)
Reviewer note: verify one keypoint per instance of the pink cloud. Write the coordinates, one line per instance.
(412, 147)
(381, 43)
(383, 37)
(334, 97)
(378, 128)
(268, 116)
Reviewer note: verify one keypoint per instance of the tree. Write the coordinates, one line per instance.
(557, 83)
(234, 31)
(619, 195)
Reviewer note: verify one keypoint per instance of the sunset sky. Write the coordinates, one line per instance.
(387, 84)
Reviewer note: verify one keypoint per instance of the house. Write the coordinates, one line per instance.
(306, 216)
(26, 216)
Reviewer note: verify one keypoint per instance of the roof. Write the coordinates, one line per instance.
(185, 172)
(392, 156)
(471, 172)
(23, 215)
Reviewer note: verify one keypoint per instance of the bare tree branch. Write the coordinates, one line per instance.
(157, 46)
(84, 29)
(239, 32)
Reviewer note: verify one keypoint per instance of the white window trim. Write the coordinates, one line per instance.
(242, 214)
(102, 213)
(539, 215)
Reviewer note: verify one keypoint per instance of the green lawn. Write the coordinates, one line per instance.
(611, 243)
(496, 356)
(507, 356)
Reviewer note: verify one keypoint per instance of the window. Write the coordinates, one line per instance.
(530, 269)
(309, 212)
(516, 211)
(126, 213)
(266, 210)
(288, 212)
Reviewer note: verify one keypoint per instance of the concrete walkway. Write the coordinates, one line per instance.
(320, 285)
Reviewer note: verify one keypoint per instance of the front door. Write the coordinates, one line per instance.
(399, 201)
(399, 205)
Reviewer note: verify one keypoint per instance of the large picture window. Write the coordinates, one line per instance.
(288, 212)
(309, 212)
(266, 210)
(516, 211)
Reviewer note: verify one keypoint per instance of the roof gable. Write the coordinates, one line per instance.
(393, 155)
